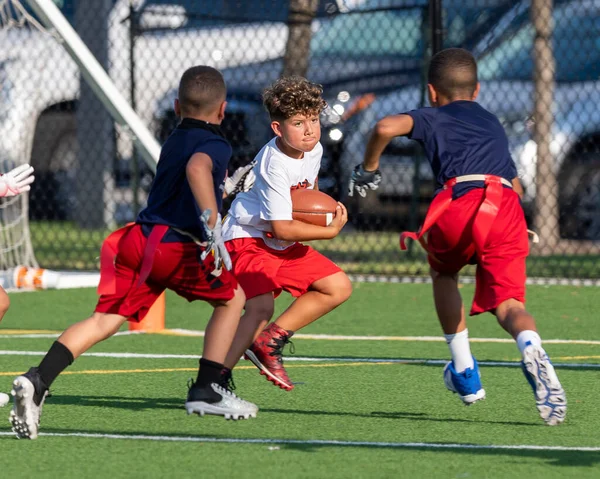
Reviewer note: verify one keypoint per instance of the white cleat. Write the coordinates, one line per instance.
(550, 397)
(26, 413)
(230, 406)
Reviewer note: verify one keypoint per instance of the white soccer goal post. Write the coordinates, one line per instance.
(17, 129)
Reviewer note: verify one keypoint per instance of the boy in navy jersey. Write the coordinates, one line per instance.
(175, 243)
(475, 217)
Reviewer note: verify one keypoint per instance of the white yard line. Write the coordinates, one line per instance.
(327, 337)
(436, 339)
(306, 359)
(56, 335)
(374, 278)
(83, 279)
(321, 442)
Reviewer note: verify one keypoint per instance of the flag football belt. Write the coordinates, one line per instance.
(108, 255)
(484, 217)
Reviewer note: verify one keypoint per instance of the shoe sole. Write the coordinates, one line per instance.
(202, 408)
(550, 398)
(22, 392)
(472, 398)
(266, 373)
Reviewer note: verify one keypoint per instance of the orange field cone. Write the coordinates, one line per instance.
(154, 320)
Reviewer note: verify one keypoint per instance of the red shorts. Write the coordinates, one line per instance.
(260, 269)
(501, 269)
(176, 266)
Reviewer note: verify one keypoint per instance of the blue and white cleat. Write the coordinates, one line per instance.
(550, 398)
(466, 384)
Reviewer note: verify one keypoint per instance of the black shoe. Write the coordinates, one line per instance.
(202, 393)
(215, 399)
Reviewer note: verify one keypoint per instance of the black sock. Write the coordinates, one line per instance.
(208, 372)
(57, 359)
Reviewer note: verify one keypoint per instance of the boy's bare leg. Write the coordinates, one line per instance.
(550, 397)
(31, 388)
(258, 312)
(4, 302)
(448, 302)
(266, 351)
(451, 314)
(461, 375)
(208, 394)
(325, 295)
(222, 326)
(81, 336)
(514, 319)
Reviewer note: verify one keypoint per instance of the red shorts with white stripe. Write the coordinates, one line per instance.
(176, 266)
(501, 268)
(260, 269)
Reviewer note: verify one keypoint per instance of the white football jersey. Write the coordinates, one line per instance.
(270, 198)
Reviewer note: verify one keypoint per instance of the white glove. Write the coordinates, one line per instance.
(16, 181)
(362, 180)
(242, 179)
(215, 243)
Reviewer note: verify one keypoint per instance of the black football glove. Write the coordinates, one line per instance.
(362, 180)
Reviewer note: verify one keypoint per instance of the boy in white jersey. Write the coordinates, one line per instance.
(264, 241)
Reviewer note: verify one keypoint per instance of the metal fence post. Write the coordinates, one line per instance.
(546, 197)
(95, 131)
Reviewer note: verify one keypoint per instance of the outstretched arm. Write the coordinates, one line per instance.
(367, 175)
(384, 131)
(199, 175)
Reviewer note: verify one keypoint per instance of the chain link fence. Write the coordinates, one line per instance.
(539, 66)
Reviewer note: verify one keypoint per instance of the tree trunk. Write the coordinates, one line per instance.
(546, 198)
(297, 50)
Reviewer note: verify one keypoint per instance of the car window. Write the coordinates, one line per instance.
(359, 34)
(575, 41)
(396, 28)
(202, 13)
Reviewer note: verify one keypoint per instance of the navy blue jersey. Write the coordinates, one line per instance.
(462, 138)
(171, 201)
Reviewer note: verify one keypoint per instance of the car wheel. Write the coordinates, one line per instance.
(54, 157)
(579, 200)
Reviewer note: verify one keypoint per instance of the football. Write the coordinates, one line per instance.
(313, 207)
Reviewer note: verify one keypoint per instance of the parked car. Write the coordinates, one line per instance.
(506, 71)
(367, 48)
(149, 42)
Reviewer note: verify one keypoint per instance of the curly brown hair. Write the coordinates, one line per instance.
(291, 96)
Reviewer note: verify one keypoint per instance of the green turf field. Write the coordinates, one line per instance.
(356, 413)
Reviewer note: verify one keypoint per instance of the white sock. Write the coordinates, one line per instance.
(460, 350)
(526, 338)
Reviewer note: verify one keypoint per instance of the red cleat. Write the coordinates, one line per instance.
(265, 353)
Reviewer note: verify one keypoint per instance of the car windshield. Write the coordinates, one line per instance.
(575, 41)
(396, 28)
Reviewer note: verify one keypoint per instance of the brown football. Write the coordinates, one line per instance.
(313, 206)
